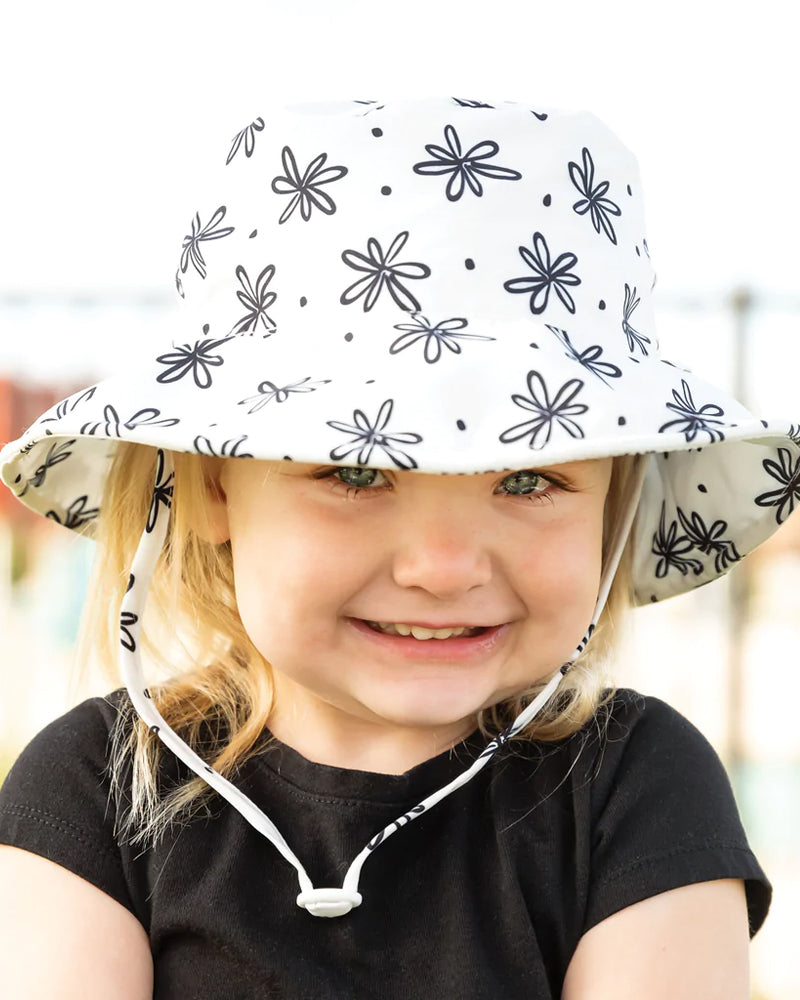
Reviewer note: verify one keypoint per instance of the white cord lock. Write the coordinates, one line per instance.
(329, 902)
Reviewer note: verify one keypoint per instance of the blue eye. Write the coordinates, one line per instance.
(359, 478)
(523, 483)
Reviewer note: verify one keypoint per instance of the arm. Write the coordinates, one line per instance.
(60, 936)
(689, 943)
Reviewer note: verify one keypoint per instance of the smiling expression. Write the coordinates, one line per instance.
(352, 582)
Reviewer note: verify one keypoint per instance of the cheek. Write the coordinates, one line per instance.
(291, 580)
(562, 573)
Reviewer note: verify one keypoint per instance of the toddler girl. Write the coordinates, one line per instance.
(365, 532)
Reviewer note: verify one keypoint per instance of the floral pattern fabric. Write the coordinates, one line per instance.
(366, 436)
(192, 252)
(437, 336)
(305, 187)
(382, 272)
(465, 168)
(550, 413)
(246, 136)
(594, 200)
(548, 275)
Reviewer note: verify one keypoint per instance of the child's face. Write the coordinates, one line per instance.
(514, 558)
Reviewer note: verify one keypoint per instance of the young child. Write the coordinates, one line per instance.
(372, 519)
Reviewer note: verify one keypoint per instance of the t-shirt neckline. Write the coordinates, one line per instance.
(338, 782)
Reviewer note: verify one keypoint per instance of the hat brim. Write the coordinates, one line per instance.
(720, 481)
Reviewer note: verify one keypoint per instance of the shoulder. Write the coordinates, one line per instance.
(77, 740)
(646, 757)
(59, 855)
(629, 714)
(662, 808)
(57, 799)
(89, 721)
(635, 757)
(638, 742)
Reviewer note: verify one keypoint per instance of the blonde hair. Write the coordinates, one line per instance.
(214, 688)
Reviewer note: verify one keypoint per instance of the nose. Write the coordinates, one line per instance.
(443, 556)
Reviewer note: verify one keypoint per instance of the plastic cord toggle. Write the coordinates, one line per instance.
(330, 902)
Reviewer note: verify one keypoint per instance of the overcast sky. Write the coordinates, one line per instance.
(106, 107)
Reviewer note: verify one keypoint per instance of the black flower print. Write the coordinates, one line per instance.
(496, 743)
(547, 274)
(267, 391)
(635, 339)
(559, 410)
(256, 301)
(57, 452)
(396, 824)
(672, 548)
(594, 200)
(788, 475)
(382, 272)
(70, 403)
(228, 449)
(708, 540)
(589, 358)
(370, 106)
(305, 189)
(112, 423)
(127, 618)
(693, 420)
(162, 493)
(436, 336)
(794, 433)
(248, 137)
(471, 104)
(192, 253)
(465, 169)
(365, 437)
(77, 513)
(581, 646)
(196, 361)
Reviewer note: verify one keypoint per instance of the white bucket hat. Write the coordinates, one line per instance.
(443, 285)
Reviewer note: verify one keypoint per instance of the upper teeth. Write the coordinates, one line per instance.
(397, 628)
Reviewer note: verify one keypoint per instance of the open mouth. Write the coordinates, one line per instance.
(420, 632)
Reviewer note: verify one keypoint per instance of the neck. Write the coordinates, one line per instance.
(327, 735)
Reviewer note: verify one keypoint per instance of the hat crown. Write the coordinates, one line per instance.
(334, 218)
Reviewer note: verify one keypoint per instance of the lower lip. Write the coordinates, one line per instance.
(459, 648)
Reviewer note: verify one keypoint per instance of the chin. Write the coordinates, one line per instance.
(427, 713)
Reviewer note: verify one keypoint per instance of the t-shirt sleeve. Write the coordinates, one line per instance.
(665, 814)
(55, 801)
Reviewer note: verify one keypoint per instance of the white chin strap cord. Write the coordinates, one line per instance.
(327, 901)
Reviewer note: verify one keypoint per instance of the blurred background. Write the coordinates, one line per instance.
(105, 108)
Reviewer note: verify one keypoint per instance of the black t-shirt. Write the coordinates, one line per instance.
(485, 896)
